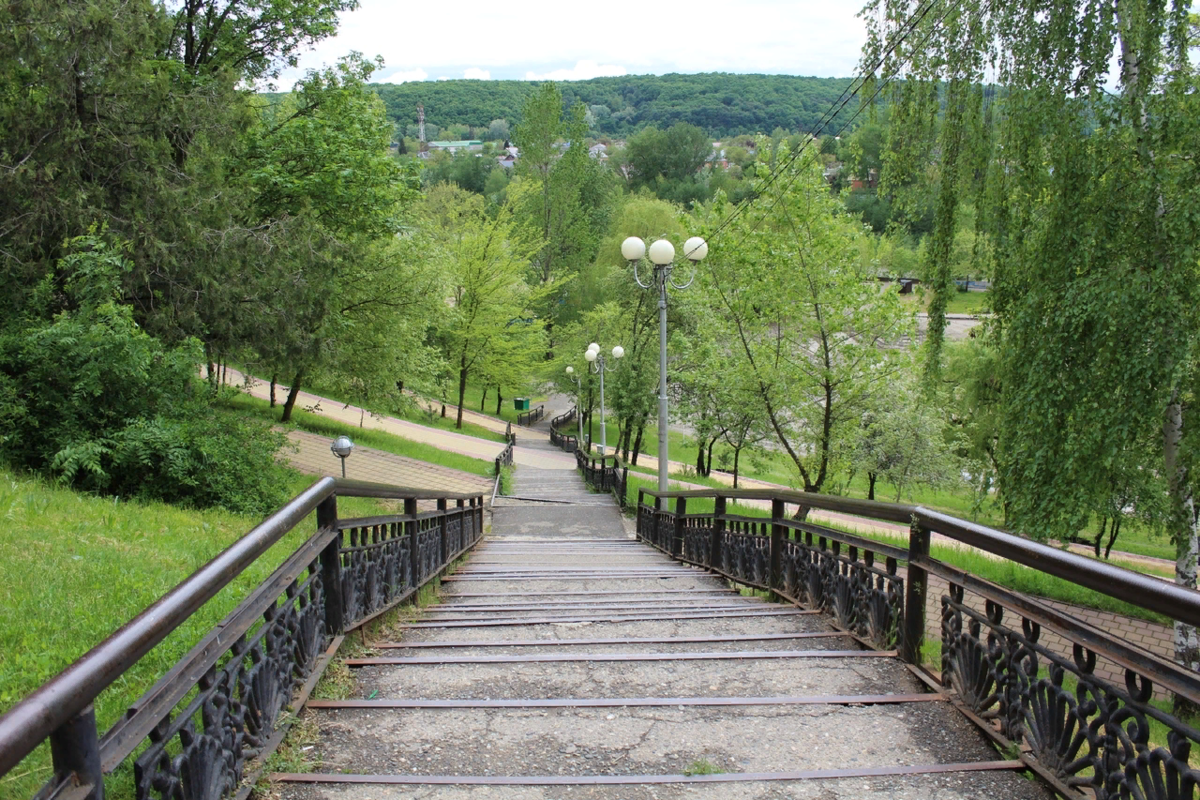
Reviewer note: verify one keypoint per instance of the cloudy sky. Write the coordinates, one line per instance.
(569, 40)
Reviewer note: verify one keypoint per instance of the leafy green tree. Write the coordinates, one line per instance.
(664, 160)
(490, 319)
(805, 318)
(319, 161)
(1093, 200)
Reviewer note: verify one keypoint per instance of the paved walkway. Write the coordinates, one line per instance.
(569, 661)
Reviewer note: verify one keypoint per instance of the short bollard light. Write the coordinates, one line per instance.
(341, 448)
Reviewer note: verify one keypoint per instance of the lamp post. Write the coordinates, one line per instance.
(662, 255)
(341, 448)
(596, 359)
(578, 404)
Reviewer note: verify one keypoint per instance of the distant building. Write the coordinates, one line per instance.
(472, 145)
(599, 151)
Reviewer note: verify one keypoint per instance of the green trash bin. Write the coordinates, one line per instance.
(521, 403)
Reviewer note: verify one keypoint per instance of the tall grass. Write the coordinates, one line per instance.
(74, 568)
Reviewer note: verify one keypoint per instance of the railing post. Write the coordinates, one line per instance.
(414, 541)
(75, 749)
(658, 504)
(331, 567)
(718, 532)
(641, 499)
(778, 535)
(677, 539)
(445, 534)
(915, 590)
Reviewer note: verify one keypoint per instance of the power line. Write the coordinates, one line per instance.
(835, 109)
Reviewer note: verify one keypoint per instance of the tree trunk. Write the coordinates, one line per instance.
(708, 461)
(1112, 537)
(1100, 535)
(483, 399)
(212, 370)
(462, 394)
(1182, 522)
(637, 442)
(293, 393)
(700, 457)
(274, 380)
(737, 456)
(871, 478)
(499, 399)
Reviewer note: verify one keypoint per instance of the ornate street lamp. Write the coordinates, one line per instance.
(662, 255)
(596, 359)
(341, 448)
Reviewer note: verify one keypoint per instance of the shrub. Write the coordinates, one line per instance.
(90, 397)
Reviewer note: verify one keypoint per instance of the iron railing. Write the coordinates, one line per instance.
(222, 705)
(565, 441)
(527, 418)
(1086, 734)
(604, 473)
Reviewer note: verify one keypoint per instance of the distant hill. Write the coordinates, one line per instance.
(720, 103)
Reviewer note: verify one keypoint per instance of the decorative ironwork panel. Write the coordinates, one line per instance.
(429, 543)
(455, 540)
(376, 568)
(1086, 731)
(697, 539)
(862, 597)
(745, 553)
(199, 754)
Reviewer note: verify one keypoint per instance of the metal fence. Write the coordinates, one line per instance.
(223, 704)
(604, 473)
(565, 441)
(1089, 737)
(527, 418)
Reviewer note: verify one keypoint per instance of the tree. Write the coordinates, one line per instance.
(489, 319)
(665, 159)
(1092, 200)
(319, 162)
(806, 319)
(571, 205)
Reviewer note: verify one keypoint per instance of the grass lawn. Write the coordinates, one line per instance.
(74, 568)
(407, 413)
(315, 423)
(507, 412)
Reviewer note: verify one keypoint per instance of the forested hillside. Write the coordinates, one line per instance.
(721, 104)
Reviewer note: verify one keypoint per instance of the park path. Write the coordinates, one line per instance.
(534, 452)
(567, 660)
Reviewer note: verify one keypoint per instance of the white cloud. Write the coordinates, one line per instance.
(580, 72)
(444, 78)
(404, 76)
(801, 37)
(477, 74)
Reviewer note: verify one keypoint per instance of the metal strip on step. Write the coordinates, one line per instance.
(639, 702)
(627, 780)
(726, 606)
(509, 621)
(696, 592)
(654, 640)
(549, 658)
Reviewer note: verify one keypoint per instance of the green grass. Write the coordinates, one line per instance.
(407, 412)
(507, 412)
(314, 423)
(74, 568)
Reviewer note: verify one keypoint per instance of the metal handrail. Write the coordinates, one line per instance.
(1077, 715)
(1168, 599)
(56, 703)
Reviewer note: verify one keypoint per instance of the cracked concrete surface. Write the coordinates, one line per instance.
(564, 548)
